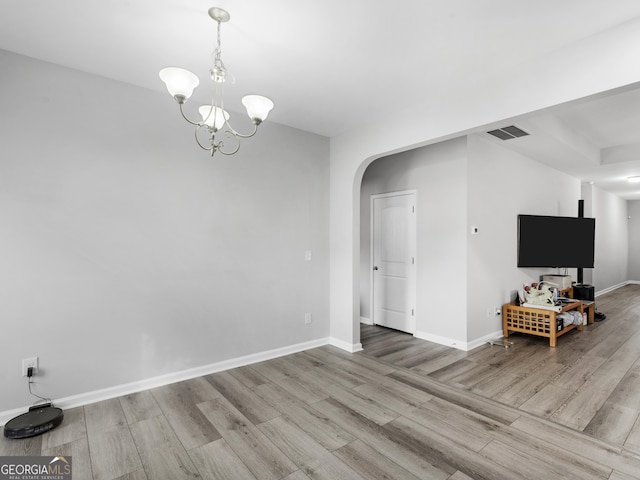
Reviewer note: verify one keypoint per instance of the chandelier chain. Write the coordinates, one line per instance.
(219, 70)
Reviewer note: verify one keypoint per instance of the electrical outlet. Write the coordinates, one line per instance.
(29, 362)
(307, 318)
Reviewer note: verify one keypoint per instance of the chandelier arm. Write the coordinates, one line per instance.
(241, 135)
(211, 149)
(220, 145)
(197, 124)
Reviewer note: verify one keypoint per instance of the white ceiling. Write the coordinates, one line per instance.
(595, 140)
(330, 65)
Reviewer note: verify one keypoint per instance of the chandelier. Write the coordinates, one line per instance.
(215, 119)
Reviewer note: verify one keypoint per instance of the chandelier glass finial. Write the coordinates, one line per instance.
(181, 83)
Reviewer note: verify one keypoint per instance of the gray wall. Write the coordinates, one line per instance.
(465, 182)
(503, 184)
(475, 182)
(634, 240)
(129, 253)
(438, 172)
(612, 240)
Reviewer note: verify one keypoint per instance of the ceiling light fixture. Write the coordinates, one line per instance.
(181, 82)
(634, 179)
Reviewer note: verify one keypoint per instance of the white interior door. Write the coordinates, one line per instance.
(393, 260)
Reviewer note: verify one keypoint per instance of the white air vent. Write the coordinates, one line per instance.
(507, 133)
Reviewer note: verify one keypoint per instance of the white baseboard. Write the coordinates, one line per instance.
(449, 342)
(458, 344)
(351, 348)
(129, 388)
(615, 287)
(484, 339)
(366, 321)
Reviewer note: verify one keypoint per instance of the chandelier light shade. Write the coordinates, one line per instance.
(181, 83)
(258, 107)
(634, 179)
(214, 117)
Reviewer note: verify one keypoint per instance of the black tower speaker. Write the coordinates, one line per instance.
(584, 292)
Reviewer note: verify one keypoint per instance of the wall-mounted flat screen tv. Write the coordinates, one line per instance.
(565, 242)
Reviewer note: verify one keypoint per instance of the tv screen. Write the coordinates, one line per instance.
(565, 242)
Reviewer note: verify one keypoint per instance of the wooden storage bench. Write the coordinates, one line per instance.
(536, 321)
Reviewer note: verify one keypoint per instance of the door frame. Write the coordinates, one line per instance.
(413, 239)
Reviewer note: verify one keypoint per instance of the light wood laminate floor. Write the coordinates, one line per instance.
(589, 382)
(326, 414)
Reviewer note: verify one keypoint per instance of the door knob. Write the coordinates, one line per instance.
(375, 267)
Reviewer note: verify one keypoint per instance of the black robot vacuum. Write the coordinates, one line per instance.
(39, 419)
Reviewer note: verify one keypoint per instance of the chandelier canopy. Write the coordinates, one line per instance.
(181, 83)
